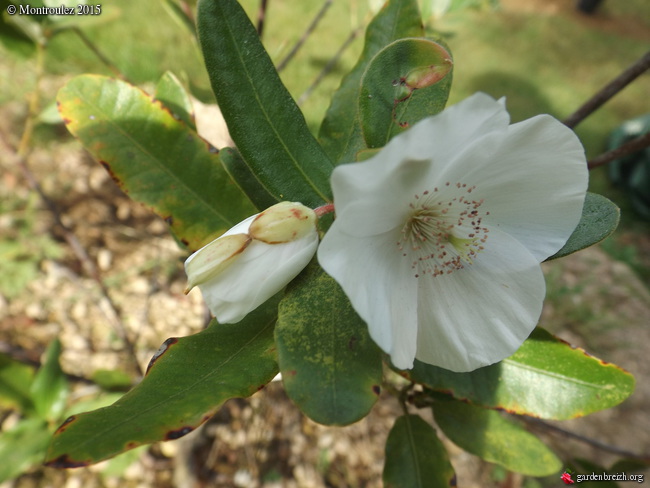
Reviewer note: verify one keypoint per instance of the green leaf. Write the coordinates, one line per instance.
(546, 378)
(340, 132)
(50, 387)
(496, 439)
(111, 379)
(599, 219)
(30, 26)
(22, 447)
(415, 457)
(15, 383)
(262, 117)
(243, 175)
(330, 366)
(171, 93)
(156, 159)
(405, 82)
(187, 380)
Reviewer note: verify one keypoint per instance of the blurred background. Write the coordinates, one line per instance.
(81, 262)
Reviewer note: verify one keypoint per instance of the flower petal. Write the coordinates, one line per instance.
(481, 314)
(210, 261)
(539, 164)
(409, 162)
(384, 294)
(257, 275)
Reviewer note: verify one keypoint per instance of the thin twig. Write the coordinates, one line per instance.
(86, 262)
(587, 440)
(261, 16)
(306, 34)
(608, 91)
(100, 55)
(33, 103)
(329, 66)
(629, 147)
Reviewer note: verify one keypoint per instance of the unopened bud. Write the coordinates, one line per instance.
(212, 259)
(283, 222)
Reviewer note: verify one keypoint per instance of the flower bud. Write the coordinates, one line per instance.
(213, 258)
(283, 222)
(254, 260)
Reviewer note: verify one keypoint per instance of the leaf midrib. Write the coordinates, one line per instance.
(268, 119)
(154, 161)
(142, 412)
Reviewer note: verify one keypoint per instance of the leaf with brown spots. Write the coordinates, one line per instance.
(340, 132)
(405, 82)
(188, 381)
(154, 157)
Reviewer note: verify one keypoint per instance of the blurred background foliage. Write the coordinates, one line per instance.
(542, 55)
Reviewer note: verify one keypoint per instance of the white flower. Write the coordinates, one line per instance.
(254, 260)
(438, 238)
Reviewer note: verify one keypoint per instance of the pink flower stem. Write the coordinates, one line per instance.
(324, 210)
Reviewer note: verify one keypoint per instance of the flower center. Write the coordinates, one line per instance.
(443, 234)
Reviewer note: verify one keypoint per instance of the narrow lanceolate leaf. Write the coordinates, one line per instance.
(171, 93)
(50, 387)
(15, 382)
(262, 117)
(187, 380)
(405, 82)
(545, 378)
(243, 175)
(415, 457)
(599, 219)
(496, 439)
(155, 158)
(340, 132)
(331, 368)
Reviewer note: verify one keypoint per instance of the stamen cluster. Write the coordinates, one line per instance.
(443, 235)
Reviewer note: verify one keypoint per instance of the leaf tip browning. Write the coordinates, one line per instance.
(65, 424)
(64, 462)
(162, 350)
(178, 433)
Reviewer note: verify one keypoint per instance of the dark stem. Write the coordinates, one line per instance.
(329, 66)
(629, 147)
(587, 440)
(608, 91)
(307, 33)
(86, 262)
(21, 154)
(261, 16)
(100, 55)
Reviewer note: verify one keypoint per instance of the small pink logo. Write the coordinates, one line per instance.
(566, 477)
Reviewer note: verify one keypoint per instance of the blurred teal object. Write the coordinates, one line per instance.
(632, 172)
